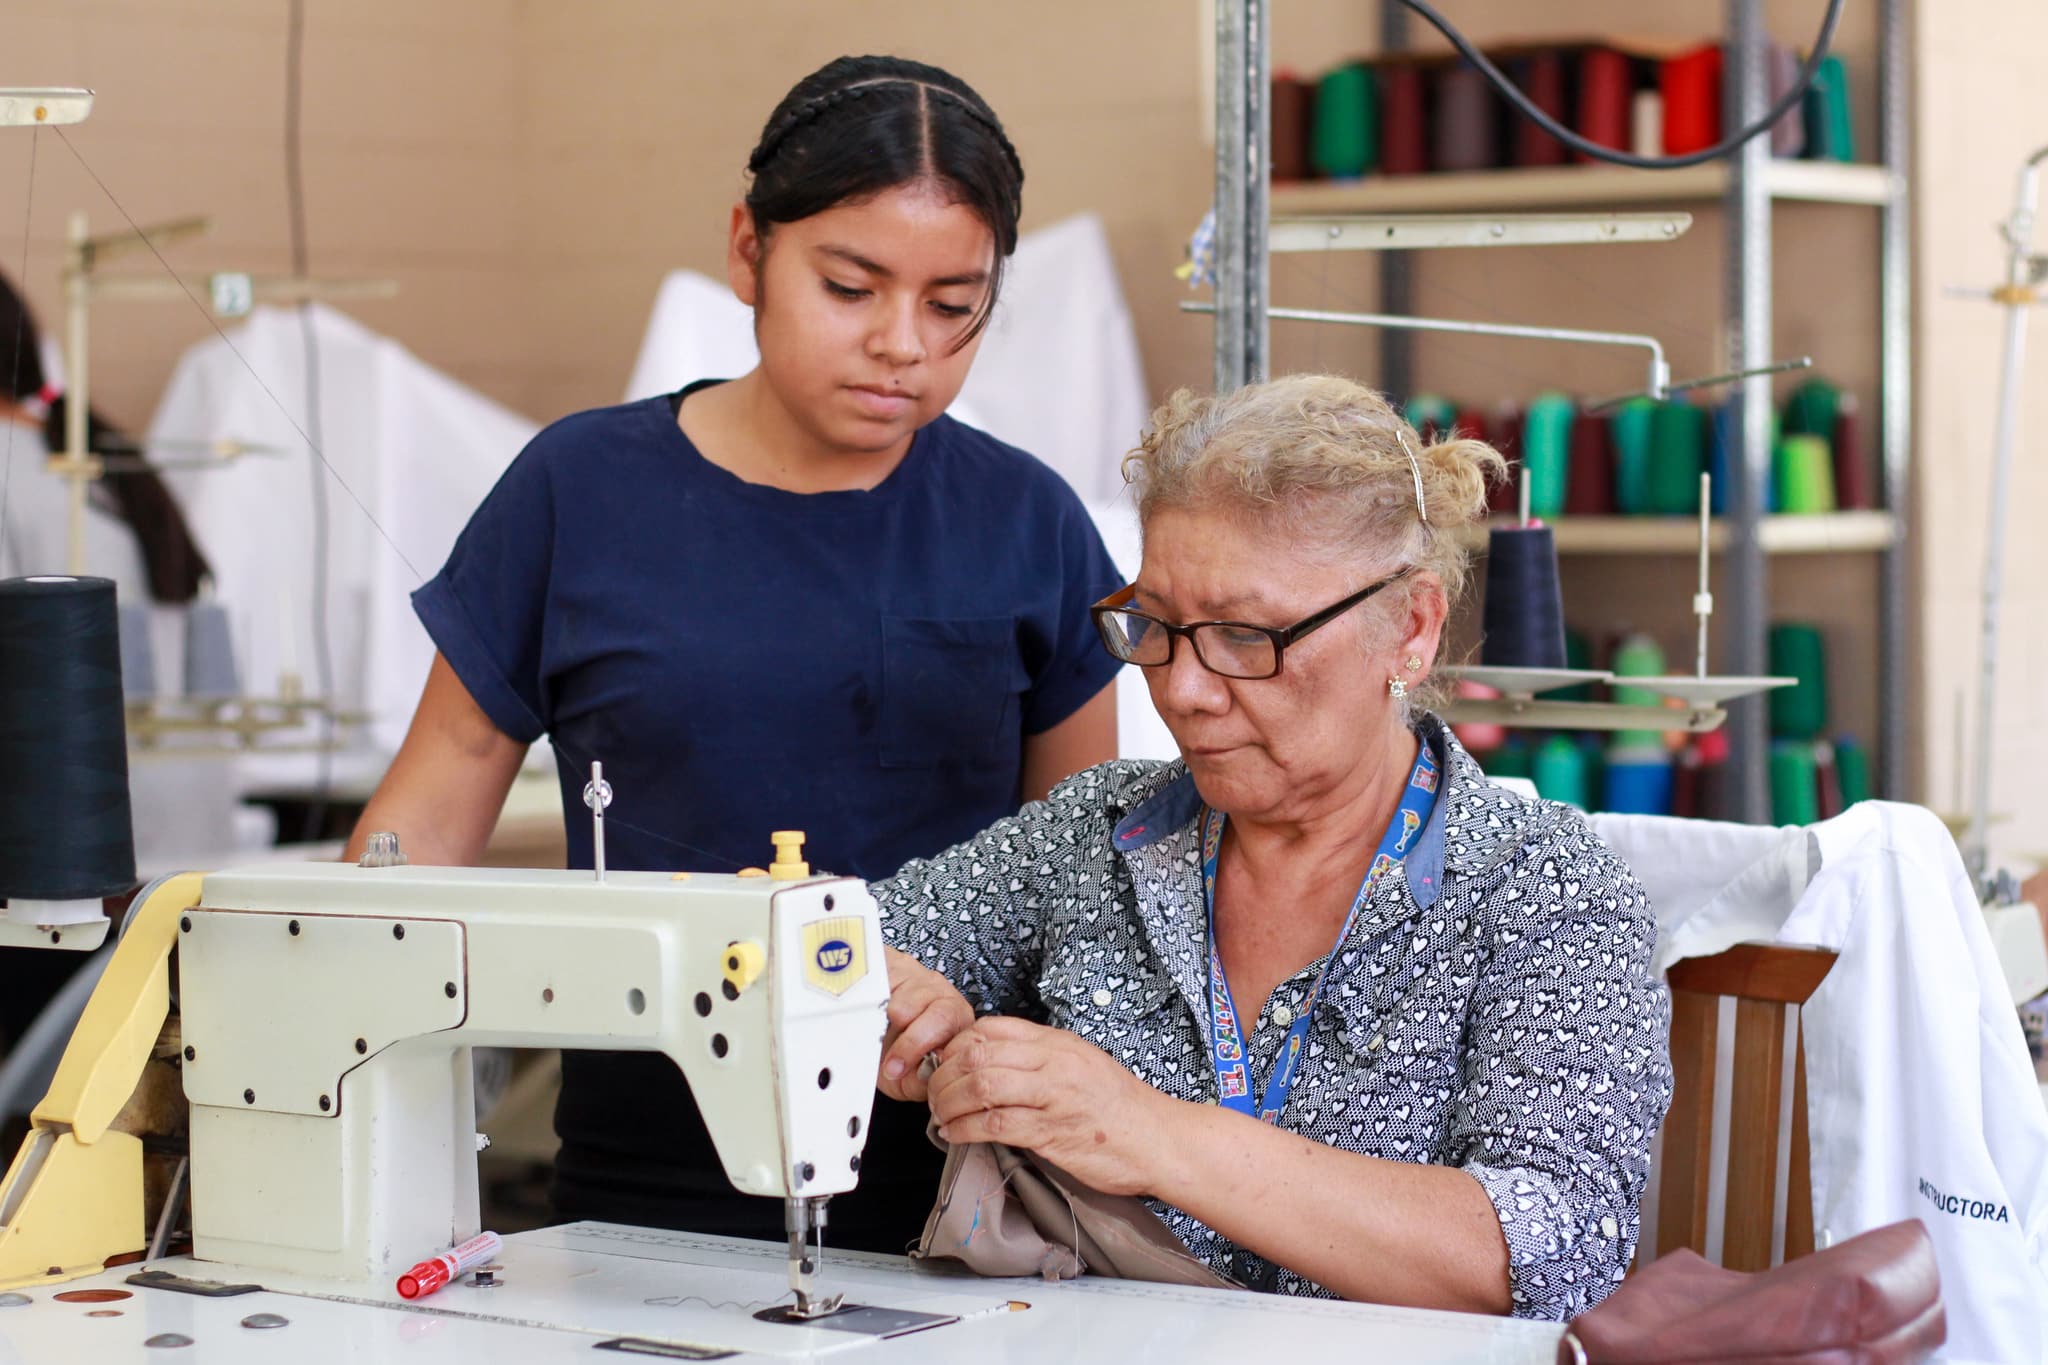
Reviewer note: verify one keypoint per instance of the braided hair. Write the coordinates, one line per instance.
(859, 126)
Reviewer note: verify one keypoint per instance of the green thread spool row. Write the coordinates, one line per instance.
(1797, 650)
(1678, 452)
(1630, 426)
(1593, 747)
(1795, 789)
(1512, 759)
(1344, 143)
(1546, 452)
(1559, 770)
(1803, 474)
(1637, 656)
(1852, 770)
(1812, 409)
(1830, 136)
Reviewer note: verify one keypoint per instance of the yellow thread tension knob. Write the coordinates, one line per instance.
(789, 864)
(742, 963)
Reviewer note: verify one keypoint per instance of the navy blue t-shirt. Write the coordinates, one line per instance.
(863, 666)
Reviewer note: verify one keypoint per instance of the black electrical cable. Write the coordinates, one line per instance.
(323, 645)
(1527, 108)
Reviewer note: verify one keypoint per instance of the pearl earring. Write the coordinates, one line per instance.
(1396, 688)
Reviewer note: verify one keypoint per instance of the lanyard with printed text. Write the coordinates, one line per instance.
(1226, 1043)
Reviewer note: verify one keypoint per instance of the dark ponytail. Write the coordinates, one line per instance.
(859, 126)
(138, 496)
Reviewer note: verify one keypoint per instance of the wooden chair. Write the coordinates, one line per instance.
(1766, 980)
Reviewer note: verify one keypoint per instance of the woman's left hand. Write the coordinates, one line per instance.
(1050, 1092)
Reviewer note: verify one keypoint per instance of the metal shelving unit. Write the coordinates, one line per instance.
(1746, 186)
(1590, 187)
(1830, 533)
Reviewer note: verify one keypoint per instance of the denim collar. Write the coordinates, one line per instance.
(1173, 805)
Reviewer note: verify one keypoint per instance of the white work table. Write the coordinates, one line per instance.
(565, 1290)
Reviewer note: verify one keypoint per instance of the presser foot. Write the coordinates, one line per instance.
(805, 1220)
(808, 1307)
(803, 1270)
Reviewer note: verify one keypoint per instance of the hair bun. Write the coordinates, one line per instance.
(1464, 469)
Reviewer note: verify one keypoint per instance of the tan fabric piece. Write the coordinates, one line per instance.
(1005, 1212)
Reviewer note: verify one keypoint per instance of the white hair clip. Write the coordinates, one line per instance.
(1415, 467)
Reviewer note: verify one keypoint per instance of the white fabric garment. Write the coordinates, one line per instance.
(1713, 883)
(698, 330)
(35, 521)
(1921, 1099)
(417, 452)
(1058, 373)
(1140, 733)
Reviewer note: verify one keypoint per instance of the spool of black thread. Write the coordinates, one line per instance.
(65, 832)
(1524, 617)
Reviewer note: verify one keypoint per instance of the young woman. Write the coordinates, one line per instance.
(804, 599)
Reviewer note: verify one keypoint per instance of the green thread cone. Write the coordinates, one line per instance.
(1678, 451)
(1800, 711)
(1795, 791)
(1546, 452)
(1559, 769)
(1852, 770)
(1638, 656)
(1803, 475)
(1631, 430)
(1812, 409)
(1512, 759)
(1344, 142)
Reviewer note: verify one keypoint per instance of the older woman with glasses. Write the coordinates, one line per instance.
(1356, 1020)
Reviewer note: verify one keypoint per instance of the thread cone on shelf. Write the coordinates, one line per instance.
(1293, 114)
(1404, 131)
(1546, 452)
(1606, 88)
(1524, 612)
(1798, 650)
(1345, 140)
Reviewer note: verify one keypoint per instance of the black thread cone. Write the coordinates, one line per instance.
(65, 832)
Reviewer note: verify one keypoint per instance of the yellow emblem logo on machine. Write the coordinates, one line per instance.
(835, 953)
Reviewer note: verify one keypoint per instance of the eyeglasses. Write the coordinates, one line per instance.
(1232, 649)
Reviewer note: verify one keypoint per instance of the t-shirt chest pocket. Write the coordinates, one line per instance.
(951, 689)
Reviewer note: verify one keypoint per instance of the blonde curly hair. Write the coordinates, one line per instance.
(1332, 459)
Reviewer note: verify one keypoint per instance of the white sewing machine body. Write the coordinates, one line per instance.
(329, 1009)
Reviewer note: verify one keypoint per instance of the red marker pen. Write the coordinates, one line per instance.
(429, 1275)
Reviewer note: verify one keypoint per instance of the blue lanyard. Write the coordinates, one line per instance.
(1226, 1042)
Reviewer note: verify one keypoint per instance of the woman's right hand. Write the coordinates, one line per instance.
(925, 1012)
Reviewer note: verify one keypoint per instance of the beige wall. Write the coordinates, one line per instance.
(528, 169)
(1981, 112)
(414, 152)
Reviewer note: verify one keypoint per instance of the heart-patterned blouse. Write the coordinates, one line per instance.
(1492, 1007)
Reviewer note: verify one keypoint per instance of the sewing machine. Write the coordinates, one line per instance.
(329, 1010)
(327, 1015)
